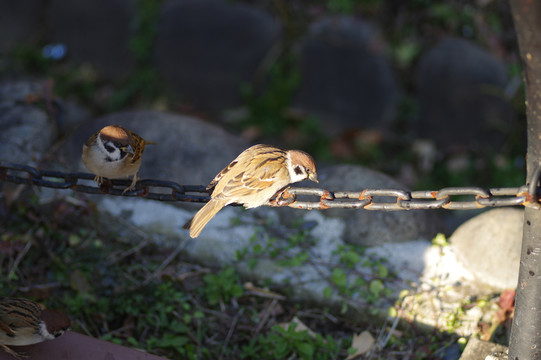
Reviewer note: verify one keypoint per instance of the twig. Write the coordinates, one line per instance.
(19, 258)
(120, 329)
(114, 259)
(190, 274)
(166, 262)
(230, 332)
(47, 286)
(82, 325)
(265, 317)
(383, 342)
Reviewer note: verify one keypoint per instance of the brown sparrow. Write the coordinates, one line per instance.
(114, 152)
(25, 322)
(252, 179)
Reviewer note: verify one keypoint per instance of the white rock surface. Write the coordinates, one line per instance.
(489, 244)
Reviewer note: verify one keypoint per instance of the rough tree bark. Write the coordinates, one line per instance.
(525, 342)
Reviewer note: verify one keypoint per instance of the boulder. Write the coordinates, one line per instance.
(461, 96)
(347, 80)
(27, 130)
(488, 246)
(207, 49)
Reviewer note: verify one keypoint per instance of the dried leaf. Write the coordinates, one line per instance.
(300, 326)
(254, 290)
(507, 300)
(362, 342)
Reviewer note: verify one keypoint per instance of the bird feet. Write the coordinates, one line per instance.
(282, 198)
(132, 185)
(104, 184)
(98, 179)
(13, 353)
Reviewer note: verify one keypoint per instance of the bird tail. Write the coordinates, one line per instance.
(203, 216)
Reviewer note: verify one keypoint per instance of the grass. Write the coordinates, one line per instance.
(109, 286)
(116, 285)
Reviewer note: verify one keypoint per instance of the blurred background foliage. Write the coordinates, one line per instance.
(409, 27)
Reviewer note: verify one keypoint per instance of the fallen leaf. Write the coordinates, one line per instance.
(300, 326)
(248, 286)
(362, 342)
(507, 300)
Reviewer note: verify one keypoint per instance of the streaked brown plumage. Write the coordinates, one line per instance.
(114, 152)
(25, 322)
(252, 179)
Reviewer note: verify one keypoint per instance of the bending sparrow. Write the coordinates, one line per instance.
(114, 152)
(25, 322)
(252, 179)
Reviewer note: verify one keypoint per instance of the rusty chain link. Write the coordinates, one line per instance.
(369, 199)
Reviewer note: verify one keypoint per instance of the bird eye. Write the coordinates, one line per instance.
(109, 147)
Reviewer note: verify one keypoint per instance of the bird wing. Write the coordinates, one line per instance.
(242, 158)
(257, 175)
(220, 175)
(17, 313)
(5, 328)
(137, 144)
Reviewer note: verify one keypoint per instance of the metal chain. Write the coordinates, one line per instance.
(369, 199)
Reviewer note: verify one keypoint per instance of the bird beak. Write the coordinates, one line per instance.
(313, 177)
(128, 149)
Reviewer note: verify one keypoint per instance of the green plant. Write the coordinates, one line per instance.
(222, 286)
(144, 82)
(145, 29)
(440, 240)
(266, 110)
(165, 313)
(350, 255)
(349, 6)
(30, 59)
(281, 343)
(349, 283)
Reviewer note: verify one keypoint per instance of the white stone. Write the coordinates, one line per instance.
(408, 259)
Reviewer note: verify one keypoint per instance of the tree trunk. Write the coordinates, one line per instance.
(525, 342)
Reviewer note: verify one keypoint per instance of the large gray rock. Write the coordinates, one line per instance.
(346, 77)
(95, 32)
(207, 49)
(27, 131)
(188, 150)
(19, 23)
(16, 92)
(488, 246)
(460, 87)
(367, 227)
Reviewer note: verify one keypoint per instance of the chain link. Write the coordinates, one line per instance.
(369, 199)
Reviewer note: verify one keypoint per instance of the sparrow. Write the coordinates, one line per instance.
(252, 179)
(114, 152)
(25, 322)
